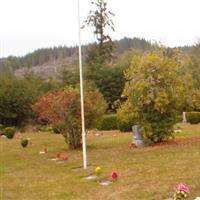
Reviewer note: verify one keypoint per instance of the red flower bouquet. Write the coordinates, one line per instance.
(58, 155)
(114, 175)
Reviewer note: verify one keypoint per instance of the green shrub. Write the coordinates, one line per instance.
(108, 122)
(9, 132)
(193, 117)
(124, 126)
(16, 97)
(58, 129)
(111, 122)
(44, 128)
(179, 118)
(159, 127)
(51, 105)
(1, 129)
(153, 95)
(125, 118)
(24, 143)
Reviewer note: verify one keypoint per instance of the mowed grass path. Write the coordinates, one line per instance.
(149, 173)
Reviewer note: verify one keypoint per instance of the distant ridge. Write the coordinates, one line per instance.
(47, 61)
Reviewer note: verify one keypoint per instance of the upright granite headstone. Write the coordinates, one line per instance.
(184, 117)
(138, 139)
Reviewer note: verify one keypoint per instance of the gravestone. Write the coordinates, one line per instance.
(184, 117)
(137, 136)
(105, 183)
(91, 177)
(3, 136)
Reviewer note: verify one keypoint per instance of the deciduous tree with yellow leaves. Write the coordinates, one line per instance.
(157, 88)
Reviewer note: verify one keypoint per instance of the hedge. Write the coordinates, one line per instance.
(193, 117)
(108, 122)
(124, 126)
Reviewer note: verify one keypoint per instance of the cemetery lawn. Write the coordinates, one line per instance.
(149, 173)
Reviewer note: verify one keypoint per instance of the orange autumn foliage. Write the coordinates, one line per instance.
(62, 109)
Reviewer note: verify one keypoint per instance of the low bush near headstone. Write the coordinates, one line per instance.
(9, 132)
(193, 117)
(24, 143)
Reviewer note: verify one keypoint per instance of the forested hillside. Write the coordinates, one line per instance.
(47, 61)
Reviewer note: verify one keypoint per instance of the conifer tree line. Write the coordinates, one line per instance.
(49, 55)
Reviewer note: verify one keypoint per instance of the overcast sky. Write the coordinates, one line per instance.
(26, 25)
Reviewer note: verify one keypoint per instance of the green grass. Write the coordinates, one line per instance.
(145, 174)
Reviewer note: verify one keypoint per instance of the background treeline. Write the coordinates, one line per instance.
(38, 57)
(17, 94)
(49, 55)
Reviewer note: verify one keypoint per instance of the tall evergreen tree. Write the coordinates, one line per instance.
(100, 19)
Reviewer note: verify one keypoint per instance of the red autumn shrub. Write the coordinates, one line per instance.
(62, 109)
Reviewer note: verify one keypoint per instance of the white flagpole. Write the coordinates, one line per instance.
(81, 94)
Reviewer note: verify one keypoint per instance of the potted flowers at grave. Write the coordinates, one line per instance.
(181, 192)
(98, 171)
(64, 158)
(114, 175)
(45, 150)
(58, 156)
(61, 158)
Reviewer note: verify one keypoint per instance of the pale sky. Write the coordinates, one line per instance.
(26, 25)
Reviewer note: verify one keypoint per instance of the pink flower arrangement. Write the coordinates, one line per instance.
(183, 188)
(114, 175)
(181, 192)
